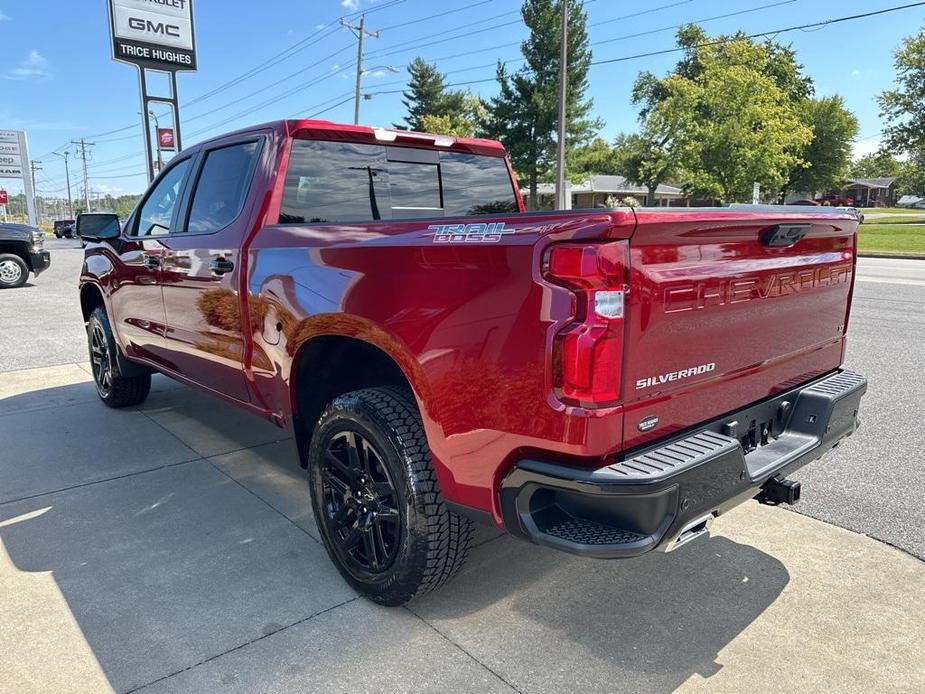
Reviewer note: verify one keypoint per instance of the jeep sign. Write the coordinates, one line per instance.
(155, 34)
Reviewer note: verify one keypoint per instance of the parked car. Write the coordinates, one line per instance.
(22, 250)
(855, 211)
(65, 228)
(836, 199)
(602, 382)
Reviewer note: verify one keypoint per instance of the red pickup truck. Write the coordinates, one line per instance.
(603, 382)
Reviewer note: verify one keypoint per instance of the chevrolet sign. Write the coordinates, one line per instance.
(155, 34)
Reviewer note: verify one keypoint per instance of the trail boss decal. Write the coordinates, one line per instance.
(673, 376)
(469, 233)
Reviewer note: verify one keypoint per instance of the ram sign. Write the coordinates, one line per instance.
(155, 34)
(12, 162)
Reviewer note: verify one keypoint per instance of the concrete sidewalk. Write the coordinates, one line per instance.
(172, 548)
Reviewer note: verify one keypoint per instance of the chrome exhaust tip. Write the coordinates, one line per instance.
(699, 527)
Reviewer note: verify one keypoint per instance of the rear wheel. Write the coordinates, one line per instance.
(376, 500)
(13, 271)
(113, 388)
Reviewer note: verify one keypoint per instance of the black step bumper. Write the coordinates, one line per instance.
(664, 494)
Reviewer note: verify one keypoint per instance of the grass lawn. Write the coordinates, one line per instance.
(891, 238)
(897, 219)
(887, 210)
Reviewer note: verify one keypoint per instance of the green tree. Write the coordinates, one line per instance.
(875, 165)
(524, 114)
(426, 94)
(597, 157)
(825, 159)
(647, 158)
(725, 117)
(464, 112)
(903, 108)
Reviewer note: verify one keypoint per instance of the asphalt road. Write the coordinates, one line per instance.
(872, 484)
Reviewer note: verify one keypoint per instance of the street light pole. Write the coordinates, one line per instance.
(562, 201)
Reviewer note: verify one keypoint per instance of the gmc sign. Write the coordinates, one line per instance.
(156, 34)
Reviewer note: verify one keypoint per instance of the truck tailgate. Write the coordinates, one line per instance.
(724, 309)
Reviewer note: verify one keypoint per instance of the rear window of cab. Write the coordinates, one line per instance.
(353, 182)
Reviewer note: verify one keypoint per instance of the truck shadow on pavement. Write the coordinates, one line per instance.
(172, 550)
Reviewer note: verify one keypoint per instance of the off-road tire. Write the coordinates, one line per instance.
(114, 389)
(23, 271)
(433, 542)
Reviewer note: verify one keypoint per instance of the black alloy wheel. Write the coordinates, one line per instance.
(100, 359)
(361, 508)
(376, 498)
(115, 388)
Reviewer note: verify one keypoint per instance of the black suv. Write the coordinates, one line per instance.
(65, 228)
(22, 250)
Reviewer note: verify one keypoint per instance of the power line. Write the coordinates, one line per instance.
(272, 61)
(636, 56)
(799, 27)
(597, 62)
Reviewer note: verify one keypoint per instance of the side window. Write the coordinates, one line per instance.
(222, 187)
(157, 211)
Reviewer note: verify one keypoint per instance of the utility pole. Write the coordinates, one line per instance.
(83, 144)
(360, 32)
(34, 166)
(563, 201)
(67, 178)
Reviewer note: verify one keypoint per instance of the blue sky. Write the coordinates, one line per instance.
(59, 83)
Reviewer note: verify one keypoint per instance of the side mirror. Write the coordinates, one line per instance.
(98, 227)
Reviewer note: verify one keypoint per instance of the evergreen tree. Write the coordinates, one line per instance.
(426, 95)
(524, 114)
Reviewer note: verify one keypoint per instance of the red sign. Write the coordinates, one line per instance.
(165, 138)
(4, 198)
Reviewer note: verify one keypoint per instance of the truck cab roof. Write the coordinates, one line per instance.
(365, 134)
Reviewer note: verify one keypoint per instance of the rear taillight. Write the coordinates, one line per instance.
(588, 352)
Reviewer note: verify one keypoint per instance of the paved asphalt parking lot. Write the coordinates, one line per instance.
(171, 548)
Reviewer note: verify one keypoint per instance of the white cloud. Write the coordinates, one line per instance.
(108, 190)
(4, 17)
(33, 66)
(351, 5)
(319, 27)
(855, 73)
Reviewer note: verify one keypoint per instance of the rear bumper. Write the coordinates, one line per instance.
(40, 261)
(663, 494)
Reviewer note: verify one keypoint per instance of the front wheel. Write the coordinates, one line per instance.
(13, 271)
(114, 389)
(376, 500)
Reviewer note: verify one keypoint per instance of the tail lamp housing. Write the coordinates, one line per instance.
(588, 352)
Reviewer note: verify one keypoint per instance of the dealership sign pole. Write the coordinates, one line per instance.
(154, 36)
(14, 163)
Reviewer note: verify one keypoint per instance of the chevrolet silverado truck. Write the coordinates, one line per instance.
(22, 250)
(602, 382)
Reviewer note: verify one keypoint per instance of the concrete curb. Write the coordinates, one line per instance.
(891, 254)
